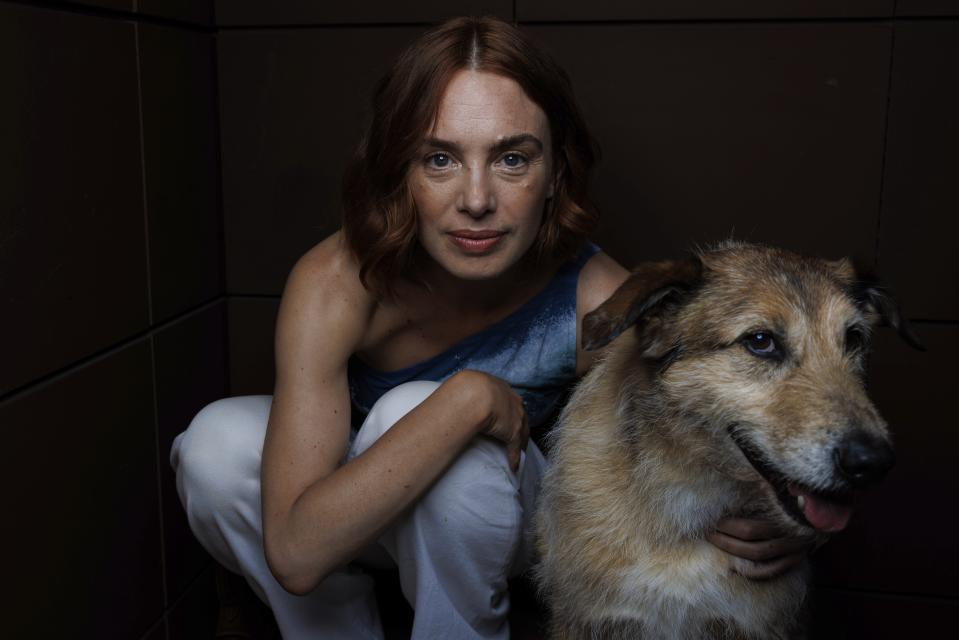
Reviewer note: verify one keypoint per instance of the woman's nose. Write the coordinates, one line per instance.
(476, 196)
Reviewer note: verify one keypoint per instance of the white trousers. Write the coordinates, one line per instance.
(455, 548)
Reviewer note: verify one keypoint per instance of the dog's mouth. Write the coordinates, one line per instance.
(827, 511)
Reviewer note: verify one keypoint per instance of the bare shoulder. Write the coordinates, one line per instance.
(323, 294)
(329, 268)
(598, 279)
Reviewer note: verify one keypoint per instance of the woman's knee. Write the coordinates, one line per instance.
(477, 500)
(392, 405)
(220, 451)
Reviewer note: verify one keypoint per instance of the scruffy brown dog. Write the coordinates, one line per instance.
(739, 390)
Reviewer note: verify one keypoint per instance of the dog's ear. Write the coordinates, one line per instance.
(648, 287)
(873, 297)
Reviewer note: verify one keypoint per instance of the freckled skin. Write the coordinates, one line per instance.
(472, 185)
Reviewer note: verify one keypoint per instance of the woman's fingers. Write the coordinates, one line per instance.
(517, 444)
(766, 570)
(508, 421)
(758, 550)
(748, 528)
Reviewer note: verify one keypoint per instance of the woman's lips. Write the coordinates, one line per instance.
(476, 242)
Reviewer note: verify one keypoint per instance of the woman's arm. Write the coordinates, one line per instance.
(318, 515)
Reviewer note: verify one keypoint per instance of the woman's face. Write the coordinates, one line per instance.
(482, 177)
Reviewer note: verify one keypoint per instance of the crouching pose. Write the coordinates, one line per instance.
(415, 350)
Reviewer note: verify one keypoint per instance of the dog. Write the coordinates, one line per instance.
(732, 384)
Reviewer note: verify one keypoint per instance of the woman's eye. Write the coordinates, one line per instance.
(514, 160)
(439, 161)
(762, 343)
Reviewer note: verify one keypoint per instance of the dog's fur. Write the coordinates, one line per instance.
(682, 423)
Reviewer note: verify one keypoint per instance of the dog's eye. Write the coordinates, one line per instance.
(762, 343)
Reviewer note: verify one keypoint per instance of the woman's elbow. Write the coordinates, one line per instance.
(290, 572)
(297, 586)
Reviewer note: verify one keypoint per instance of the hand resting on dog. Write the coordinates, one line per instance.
(760, 550)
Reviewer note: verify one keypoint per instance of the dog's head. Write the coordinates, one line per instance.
(765, 349)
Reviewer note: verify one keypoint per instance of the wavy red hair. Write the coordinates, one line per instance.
(379, 218)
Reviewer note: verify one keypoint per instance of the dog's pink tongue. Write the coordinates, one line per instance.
(823, 514)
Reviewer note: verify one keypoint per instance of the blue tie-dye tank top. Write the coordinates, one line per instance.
(533, 349)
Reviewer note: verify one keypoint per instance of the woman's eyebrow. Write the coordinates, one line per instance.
(439, 143)
(517, 140)
(498, 146)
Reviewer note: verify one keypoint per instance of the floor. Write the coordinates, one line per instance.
(250, 614)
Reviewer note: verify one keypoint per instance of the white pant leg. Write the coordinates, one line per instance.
(458, 545)
(217, 465)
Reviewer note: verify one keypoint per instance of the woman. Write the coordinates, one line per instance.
(442, 321)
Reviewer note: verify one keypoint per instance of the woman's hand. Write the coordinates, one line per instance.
(758, 547)
(506, 420)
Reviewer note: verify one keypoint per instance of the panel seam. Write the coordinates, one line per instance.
(143, 174)
(885, 145)
(105, 352)
(159, 475)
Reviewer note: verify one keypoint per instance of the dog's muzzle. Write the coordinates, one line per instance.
(860, 460)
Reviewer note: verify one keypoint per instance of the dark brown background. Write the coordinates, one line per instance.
(162, 169)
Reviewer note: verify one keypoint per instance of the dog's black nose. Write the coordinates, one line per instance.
(863, 458)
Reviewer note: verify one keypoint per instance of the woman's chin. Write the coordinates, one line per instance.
(480, 271)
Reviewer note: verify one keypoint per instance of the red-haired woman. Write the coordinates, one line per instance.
(415, 350)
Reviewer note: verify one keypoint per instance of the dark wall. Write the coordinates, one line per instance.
(826, 127)
(114, 318)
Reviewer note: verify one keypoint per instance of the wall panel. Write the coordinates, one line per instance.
(919, 224)
(122, 5)
(191, 372)
(927, 8)
(293, 108)
(195, 11)
(180, 155)
(293, 12)
(252, 323)
(533, 10)
(79, 462)
(849, 615)
(763, 132)
(72, 251)
(194, 616)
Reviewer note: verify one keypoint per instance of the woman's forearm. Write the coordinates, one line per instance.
(341, 514)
